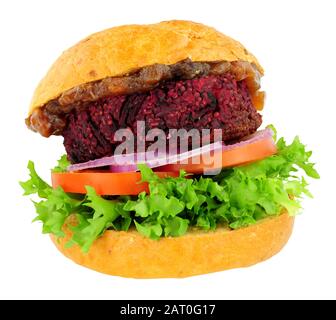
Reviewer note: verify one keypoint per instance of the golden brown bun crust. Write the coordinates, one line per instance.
(119, 50)
(128, 254)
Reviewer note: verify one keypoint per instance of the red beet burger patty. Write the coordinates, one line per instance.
(209, 102)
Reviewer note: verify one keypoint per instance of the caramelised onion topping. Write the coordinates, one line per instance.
(51, 118)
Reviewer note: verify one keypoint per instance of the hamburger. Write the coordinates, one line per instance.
(166, 171)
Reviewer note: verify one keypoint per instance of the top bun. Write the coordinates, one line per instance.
(121, 50)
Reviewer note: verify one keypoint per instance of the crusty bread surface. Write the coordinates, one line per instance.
(129, 254)
(124, 49)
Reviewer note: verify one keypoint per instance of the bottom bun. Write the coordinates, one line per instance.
(128, 254)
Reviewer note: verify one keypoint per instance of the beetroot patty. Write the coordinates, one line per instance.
(210, 102)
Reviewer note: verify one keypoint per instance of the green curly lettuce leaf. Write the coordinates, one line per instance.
(62, 164)
(235, 198)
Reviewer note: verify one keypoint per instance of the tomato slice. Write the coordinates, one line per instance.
(127, 183)
(238, 155)
(105, 183)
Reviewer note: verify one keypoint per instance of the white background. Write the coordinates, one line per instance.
(295, 41)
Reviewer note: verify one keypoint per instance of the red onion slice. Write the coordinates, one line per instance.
(129, 162)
